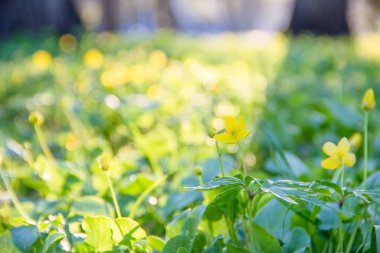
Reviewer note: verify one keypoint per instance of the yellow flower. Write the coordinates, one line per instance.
(356, 140)
(338, 155)
(104, 161)
(93, 58)
(235, 131)
(41, 60)
(369, 100)
(36, 118)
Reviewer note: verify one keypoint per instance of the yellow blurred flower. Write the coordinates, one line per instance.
(369, 100)
(71, 141)
(115, 76)
(158, 59)
(234, 131)
(356, 140)
(41, 60)
(338, 155)
(36, 118)
(104, 161)
(93, 58)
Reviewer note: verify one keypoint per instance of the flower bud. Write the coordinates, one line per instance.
(356, 140)
(198, 171)
(369, 100)
(104, 161)
(36, 118)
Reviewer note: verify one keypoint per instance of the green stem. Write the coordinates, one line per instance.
(12, 195)
(220, 158)
(342, 176)
(353, 235)
(43, 143)
(340, 236)
(250, 233)
(141, 198)
(369, 234)
(242, 159)
(231, 230)
(115, 203)
(365, 130)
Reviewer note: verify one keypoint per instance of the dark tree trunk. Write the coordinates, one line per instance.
(320, 17)
(35, 16)
(110, 10)
(164, 14)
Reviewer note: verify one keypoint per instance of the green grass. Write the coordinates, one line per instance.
(154, 103)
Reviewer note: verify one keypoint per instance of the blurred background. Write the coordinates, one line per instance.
(61, 16)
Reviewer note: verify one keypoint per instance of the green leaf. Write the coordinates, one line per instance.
(274, 217)
(219, 183)
(216, 247)
(24, 237)
(99, 232)
(235, 249)
(178, 243)
(156, 243)
(297, 241)
(51, 241)
(6, 243)
(188, 231)
(128, 230)
(264, 242)
(328, 218)
(90, 205)
(192, 222)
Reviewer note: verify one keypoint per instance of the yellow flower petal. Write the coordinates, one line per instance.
(241, 123)
(331, 163)
(343, 147)
(369, 100)
(330, 149)
(241, 135)
(225, 138)
(230, 124)
(349, 159)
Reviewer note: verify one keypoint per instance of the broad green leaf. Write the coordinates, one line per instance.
(90, 205)
(99, 232)
(127, 228)
(328, 219)
(216, 247)
(192, 222)
(373, 181)
(296, 241)
(263, 241)
(155, 242)
(51, 241)
(24, 237)
(220, 182)
(235, 249)
(175, 225)
(178, 244)
(274, 217)
(6, 243)
(199, 243)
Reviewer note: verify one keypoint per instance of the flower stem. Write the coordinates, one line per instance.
(365, 130)
(115, 203)
(43, 143)
(242, 159)
(353, 234)
(220, 158)
(342, 176)
(12, 195)
(340, 236)
(250, 234)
